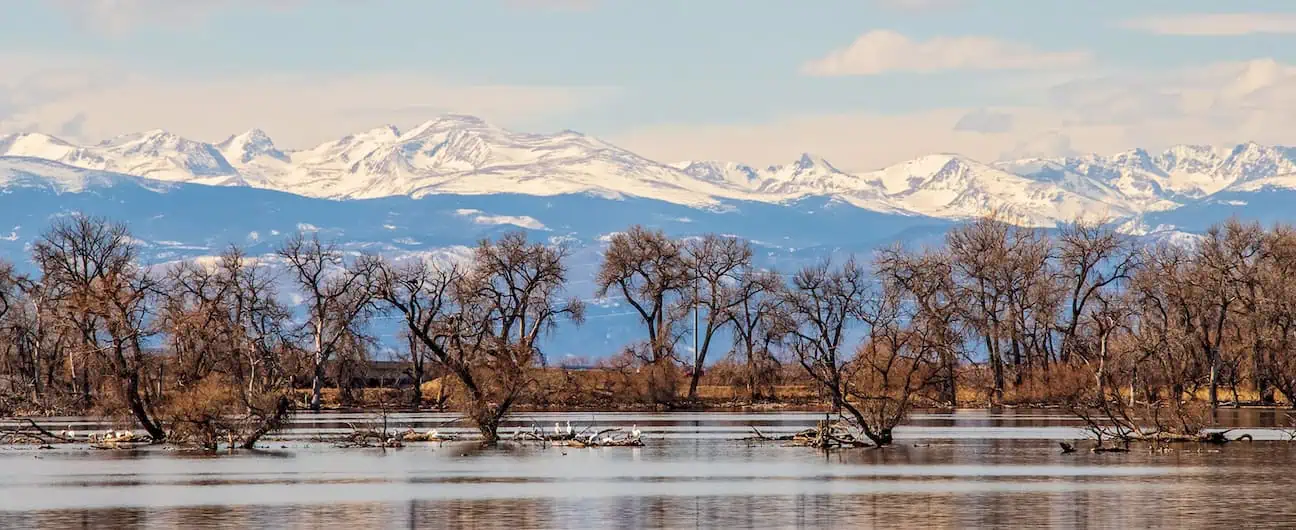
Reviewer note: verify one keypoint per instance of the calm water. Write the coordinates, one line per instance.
(963, 469)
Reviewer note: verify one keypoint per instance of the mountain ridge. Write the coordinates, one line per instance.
(465, 155)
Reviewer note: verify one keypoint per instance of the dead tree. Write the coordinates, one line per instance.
(338, 299)
(927, 279)
(823, 305)
(649, 271)
(111, 299)
(758, 326)
(227, 320)
(716, 263)
(484, 324)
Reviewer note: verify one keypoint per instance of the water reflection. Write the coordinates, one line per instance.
(956, 470)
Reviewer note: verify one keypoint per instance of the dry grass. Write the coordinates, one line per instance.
(606, 389)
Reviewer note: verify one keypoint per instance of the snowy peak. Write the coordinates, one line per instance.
(37, 145)
(952, 186)
(1179, 174)
(446, 123)
(1251, 160)
(724, 173)
(249, 146)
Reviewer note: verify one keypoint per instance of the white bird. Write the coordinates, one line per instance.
(557, 428)
(569, 428)
(634, 430)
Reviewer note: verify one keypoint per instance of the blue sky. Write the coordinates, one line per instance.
(864, 83)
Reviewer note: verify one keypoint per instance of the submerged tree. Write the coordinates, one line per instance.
(234, 351)
(109, 297)
(483, 324)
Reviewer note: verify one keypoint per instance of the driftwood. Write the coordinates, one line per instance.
(614, 437)
(368, 438)
(411, 435)
(824, 436)
(32, 433)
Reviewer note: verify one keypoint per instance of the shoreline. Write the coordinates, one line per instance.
(730, 407)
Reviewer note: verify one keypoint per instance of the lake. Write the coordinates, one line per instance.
(948, 469)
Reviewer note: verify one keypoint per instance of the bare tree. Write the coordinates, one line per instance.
(928, 279)
(823, 305)
(716, 263)
(1274, 318)
(1248, 247)
(338, 299)
(1094, 259)
(483, 325)
(423, 295)
(1209, 295)
(8, 288)
(650, 272)
(981, 251)
(897, 361)
(109, 294)
(759, 324)
(232, 340)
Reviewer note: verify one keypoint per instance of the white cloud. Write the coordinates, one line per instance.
(1215, 24)
(1221, 104)
(96, 101)
(883, 51)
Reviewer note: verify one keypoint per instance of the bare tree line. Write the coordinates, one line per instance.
(1141, 340)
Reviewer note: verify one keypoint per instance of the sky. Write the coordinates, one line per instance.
(862, 83)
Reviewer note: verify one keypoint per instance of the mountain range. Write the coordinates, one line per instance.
(464, 155)
(435, 189)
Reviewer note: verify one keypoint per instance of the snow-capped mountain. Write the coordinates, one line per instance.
(41, 174)
(155, 154)
(464, 155)
(1167, 180)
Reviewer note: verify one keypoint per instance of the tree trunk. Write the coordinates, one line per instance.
(951, 383)
(139, 411)
(1213, 394)
(996, 366)
(417, 400)
(317, 384)
(693, 383)
(1264, 390)
(282, 408)
(317, 387)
